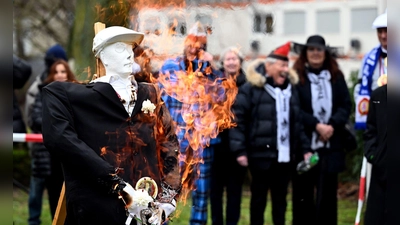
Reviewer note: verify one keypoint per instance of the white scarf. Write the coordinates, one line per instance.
(321, 99)
(282, 106)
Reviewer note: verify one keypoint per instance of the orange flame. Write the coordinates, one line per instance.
(206, 103)
(137, 158)
(205, 110)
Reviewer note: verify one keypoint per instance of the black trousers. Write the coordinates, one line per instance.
(276, 179)
(111, 213)
(315, 208)
(376, 212)
(54, 185)
(227, 174)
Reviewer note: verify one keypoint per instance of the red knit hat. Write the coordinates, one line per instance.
(281, 52)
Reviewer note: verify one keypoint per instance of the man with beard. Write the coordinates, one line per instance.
(268, 132)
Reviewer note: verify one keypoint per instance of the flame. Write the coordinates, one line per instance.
(206, 102)
(143, 57)
(205, 110)
(136, 145)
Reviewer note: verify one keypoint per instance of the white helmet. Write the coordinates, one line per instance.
(115, 34)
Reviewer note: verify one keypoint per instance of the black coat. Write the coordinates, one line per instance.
(341, 108)
(82, 122)
(40, 156)
(375, 145)
(21, 73)
(375, 142)
(223, 147)
(256, 132)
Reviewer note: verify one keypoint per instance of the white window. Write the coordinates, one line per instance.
(206, 21)
(177, 25)
(294, 22)
(152, 25)
(361, 19)
(263, 23)
(328, 21)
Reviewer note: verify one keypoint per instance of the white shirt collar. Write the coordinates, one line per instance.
(113, 79)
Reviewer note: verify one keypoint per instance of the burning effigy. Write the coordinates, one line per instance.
(115, 140)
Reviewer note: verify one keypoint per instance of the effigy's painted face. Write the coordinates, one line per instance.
(117, 59)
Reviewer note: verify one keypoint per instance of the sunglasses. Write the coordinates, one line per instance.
(311, 49)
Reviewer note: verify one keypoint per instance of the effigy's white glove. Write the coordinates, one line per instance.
(136, 201)
(161, 212)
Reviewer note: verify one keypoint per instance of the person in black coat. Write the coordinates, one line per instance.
(269, 132)
(108, 135)
(375, 145)
(225, 170)
(325, 104)
(21, 73)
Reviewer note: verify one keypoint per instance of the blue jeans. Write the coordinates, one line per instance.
(198, 214)
(200, 195)
(37, 187)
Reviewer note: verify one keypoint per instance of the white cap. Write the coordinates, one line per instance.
(380, 21)
(115, 34)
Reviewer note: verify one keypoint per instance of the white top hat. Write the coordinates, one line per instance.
(380, 21)
(115, 34)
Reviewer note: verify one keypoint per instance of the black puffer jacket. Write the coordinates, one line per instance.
(40, 156)
(224, 135)
(256, 131)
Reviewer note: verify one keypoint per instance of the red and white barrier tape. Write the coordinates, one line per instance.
(21, 137)
(361, 194)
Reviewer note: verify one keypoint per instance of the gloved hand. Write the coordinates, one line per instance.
(162, 212)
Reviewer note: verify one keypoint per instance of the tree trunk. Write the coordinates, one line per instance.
(110, 12)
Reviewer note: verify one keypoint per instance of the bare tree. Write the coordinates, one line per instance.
(40, 24)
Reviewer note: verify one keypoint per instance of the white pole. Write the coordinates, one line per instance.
(361, 195)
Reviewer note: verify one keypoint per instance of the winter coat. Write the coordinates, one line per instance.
(375, 136)
(224, 135)
(341, 108)
(375, 150)
(40, 156)
(256, 132)
(21, 73)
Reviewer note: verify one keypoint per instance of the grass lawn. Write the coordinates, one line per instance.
(347, 211)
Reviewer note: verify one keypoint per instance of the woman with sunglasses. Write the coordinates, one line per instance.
(325, 103)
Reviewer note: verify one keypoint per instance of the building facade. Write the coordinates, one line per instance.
(259, 26)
